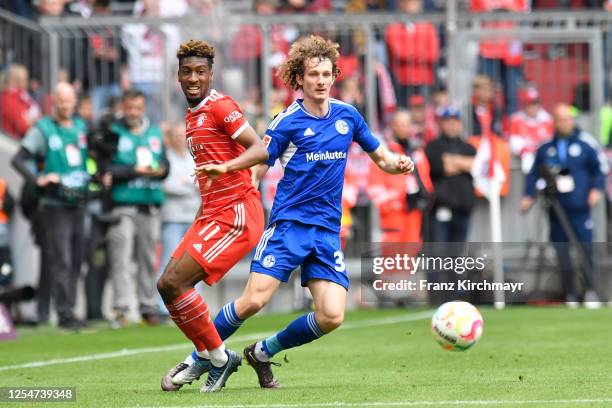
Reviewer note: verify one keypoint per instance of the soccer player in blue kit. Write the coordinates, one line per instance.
(311, 138)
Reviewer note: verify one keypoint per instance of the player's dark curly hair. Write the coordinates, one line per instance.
(304, 49)
(196, 48)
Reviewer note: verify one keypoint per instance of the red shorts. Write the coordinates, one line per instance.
(218, 242)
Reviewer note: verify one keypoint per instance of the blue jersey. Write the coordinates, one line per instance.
(313, 153)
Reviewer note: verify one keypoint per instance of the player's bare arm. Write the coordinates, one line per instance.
(390, 162)
(257, 173)
(255, 153)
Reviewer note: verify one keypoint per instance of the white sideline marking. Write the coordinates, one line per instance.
(180, 346)
(400, 403)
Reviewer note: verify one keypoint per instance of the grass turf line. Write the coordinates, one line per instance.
(526, 354)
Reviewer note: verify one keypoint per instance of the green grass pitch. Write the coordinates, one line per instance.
(527, 357)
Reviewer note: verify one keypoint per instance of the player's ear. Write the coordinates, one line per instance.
(300, 80)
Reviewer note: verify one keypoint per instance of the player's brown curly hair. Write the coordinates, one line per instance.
(196, 48)
(304, 49)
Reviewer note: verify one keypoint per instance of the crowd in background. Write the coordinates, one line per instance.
(121, 95)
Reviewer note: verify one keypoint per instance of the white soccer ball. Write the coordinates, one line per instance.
(457, 325)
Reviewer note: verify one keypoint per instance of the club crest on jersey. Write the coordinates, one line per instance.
(267, 139)
(194, 147)
(574, 150)
(269, 261)
(342, 127)
(201, 120)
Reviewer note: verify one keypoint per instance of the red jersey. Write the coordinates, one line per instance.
(527, 133)
(212, 128)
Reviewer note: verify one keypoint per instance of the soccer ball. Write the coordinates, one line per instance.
(457, 325)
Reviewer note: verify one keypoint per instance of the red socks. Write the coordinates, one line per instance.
(190, 313)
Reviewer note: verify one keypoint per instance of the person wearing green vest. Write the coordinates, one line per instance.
(137, 169)
(57, 144)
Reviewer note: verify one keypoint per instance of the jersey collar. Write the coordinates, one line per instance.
(300, 103)
(202, 102)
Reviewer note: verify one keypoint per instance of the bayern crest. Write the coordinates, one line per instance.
(342, 127)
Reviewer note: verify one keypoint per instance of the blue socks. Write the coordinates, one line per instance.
(302, 330)
(227, 321)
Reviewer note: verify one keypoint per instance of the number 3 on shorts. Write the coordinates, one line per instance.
(340, 266)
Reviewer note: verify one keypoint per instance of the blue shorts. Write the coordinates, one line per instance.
(285, 245)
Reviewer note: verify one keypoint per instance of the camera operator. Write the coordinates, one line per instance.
(138, 167)
(58, 143)
(102, 141)
(575, 174)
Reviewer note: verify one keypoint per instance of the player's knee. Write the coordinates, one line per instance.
(251, 305)
(168, 288)
(329, 321)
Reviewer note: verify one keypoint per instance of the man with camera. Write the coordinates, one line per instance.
(57, 145)
(137, 169)
(573, 175)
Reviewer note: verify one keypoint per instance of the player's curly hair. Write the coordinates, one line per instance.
(196, 48)
(304, 49)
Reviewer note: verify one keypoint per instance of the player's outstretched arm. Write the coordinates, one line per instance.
(255, 153)
(391, 163)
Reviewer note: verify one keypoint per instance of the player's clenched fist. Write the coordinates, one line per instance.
(404, 164)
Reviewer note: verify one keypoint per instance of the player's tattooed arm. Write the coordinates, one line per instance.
(255, 153)
(390, 162)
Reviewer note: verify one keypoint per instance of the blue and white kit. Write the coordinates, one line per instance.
(304, 227)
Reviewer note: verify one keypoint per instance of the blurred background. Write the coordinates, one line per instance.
(493, 72)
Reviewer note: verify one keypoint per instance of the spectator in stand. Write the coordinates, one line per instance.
(247, 46)
(23, 8)
(402, 201)
(137, 169)
(529, 128)
(485, 115)
(108, 60)
(19, 110)
(351, 93)
(439, 101)
(362, 6)
(182, 196)
(422, 129)
(450, 160)
(306, 6)
(414, 49)
(501, 59)
(146, 48)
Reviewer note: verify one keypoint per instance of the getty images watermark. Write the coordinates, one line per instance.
(421, 272)
(409, 265)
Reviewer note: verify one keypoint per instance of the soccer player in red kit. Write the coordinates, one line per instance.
(227, 226)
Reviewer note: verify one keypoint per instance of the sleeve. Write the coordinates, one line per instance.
(229, 118)
(34, 142)
(436, 168)
(534, 173)
(597, 170)
(276, 143)
(22, 162)
(363, 136)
